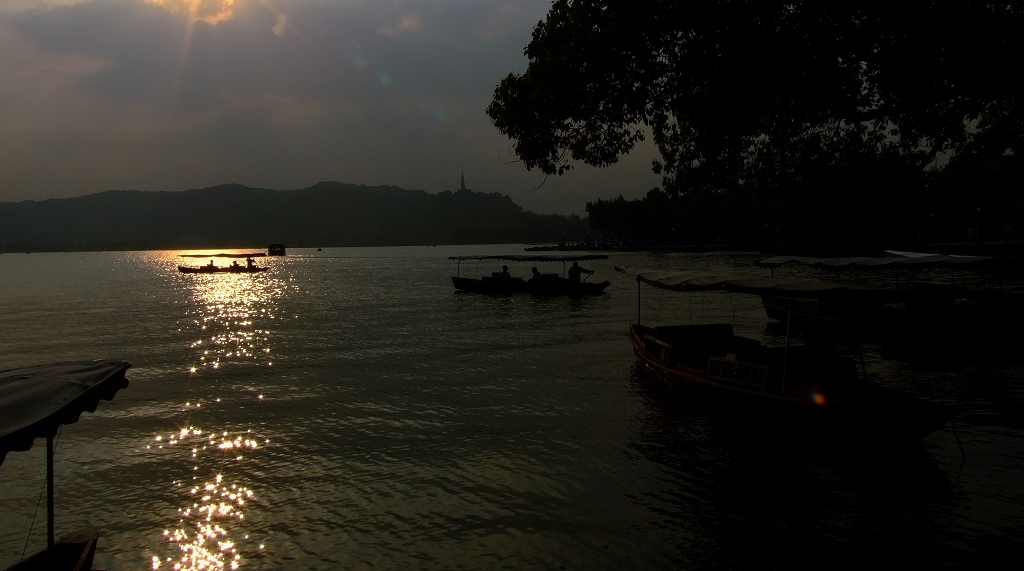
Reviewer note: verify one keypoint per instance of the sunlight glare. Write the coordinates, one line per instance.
(231, 317)
(206, 523)
(209, 11)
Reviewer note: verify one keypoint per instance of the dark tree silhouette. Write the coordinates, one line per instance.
(757, 93)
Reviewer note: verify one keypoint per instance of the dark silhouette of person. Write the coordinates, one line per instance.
(504, 275)
(537, 276)
(576, 270)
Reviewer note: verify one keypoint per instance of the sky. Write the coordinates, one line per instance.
(160, 95)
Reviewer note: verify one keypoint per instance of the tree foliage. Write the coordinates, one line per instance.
(761, 93)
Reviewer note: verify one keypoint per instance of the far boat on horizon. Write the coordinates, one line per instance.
(276, 250)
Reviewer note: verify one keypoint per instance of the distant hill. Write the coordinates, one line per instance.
(326, 214)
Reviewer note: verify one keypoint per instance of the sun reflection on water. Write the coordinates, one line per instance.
(230, 315)
(206, 530)
(227, 312)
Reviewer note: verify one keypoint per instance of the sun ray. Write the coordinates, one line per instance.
(179, 68)
(213, 12)
(210, 12)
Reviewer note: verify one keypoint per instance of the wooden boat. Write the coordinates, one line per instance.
(35, 402)
(239, 269)
(545, 284)
(800, 390)
(233, 268)
(69, 553)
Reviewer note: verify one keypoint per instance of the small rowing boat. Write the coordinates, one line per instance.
(540, 284)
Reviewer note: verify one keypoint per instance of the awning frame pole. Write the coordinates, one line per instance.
(785, 355)
(638, 322)
(49, 492)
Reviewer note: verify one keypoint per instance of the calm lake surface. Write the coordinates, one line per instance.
(347, 409)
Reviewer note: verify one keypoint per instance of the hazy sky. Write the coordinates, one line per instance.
(179, 94)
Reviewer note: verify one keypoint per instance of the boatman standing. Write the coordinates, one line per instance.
(576, 270)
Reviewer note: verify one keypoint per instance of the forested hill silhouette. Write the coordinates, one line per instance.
(231, 215)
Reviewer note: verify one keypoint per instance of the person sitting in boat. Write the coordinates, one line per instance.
(248, 262)
(537, 276)
(577, 270)
(504, 275)
(234, 264)
(210, 264)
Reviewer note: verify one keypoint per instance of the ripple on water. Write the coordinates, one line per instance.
(401, 425)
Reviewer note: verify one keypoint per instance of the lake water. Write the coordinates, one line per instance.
(347, 409)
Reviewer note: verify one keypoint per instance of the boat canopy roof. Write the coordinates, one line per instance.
(535, 258)
(222, 255)
(35, 401)
(792, 287)
(892, 258)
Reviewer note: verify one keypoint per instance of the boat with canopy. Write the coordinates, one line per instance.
(234, 267)
(802, 390)
(35, 402)
(541, 283)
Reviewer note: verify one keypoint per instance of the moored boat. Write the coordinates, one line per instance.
(803, 391)
(35, 402)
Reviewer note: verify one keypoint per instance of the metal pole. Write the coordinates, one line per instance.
(638, 302)
(49, 492)
(785, 357)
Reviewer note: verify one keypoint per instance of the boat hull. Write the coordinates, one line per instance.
(71, 553)
(220, 270)
(547, 286)
(820, 396)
